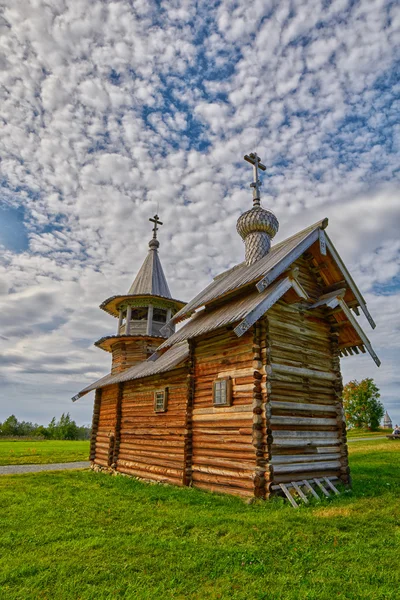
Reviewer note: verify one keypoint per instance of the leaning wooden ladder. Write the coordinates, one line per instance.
(323, 484)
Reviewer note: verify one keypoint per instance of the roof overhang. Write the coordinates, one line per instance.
(106, 343)
(113, 304)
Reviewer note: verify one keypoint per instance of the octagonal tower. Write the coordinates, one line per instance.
(142, 312)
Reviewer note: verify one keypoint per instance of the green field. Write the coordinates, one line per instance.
(78, 534)
(361, 433)
(42, 452)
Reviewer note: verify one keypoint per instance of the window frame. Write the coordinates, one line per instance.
(228, 390)
(162, 409)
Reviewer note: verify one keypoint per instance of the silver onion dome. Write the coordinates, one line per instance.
(257, 227)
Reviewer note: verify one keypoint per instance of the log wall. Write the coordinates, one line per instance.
(105, 434)
(125, 354)
(305, 431)
(153, 445)
(223, 454)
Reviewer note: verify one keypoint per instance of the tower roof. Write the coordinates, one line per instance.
(151, 279)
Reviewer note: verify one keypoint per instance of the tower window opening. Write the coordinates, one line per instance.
(160, 315)
(139, 314)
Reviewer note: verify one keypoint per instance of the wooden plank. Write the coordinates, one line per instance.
(330, 484)
(300, 492)
(322, 242)
(275, 294)
(349, 280)
(288, 495)
(310, 489)
(324, 491)
(360, 332)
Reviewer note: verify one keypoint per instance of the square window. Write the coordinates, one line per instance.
(160, 400)
(222, 392)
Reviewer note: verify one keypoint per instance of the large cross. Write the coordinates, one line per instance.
(254, 160)
(156, 222)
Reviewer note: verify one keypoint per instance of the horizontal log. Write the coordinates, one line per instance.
(153, 477)
(150, 469)
(281, 459)
(303, 421)
(223, 409)
(300, 372)
(304, 435)
(221, 489)
(234, 464)
(227, 480)
(302, 407)
(223, 418)
(309, 467)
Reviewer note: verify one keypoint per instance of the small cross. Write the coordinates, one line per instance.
(254, 160)
(156, 222)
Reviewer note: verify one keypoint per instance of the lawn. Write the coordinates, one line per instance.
(42, 451)
(360, 433)
(81, 535)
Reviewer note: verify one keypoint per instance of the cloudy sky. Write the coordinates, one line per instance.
(111, 111)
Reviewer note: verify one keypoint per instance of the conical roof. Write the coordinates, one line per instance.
(151, 279)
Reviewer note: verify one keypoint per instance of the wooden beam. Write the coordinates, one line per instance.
(359, 331)
(311, 489)
(300, 492)
(349, 280)
(279, 289)
(288, 495)
(321, 487)
(322, 242)
(330, 484)
(287, 260)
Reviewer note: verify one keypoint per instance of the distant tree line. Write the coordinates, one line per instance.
(63, 429)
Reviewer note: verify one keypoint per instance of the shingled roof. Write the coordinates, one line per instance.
(151, 279)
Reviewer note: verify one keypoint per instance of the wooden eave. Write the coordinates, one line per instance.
(351, 337)
(112, 304)
(174, 358)
(107, 342)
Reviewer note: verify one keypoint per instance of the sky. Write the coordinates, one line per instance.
(113, 111)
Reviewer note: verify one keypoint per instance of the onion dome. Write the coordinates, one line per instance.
(258, 225)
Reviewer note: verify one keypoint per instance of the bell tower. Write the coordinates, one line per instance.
(142, 313)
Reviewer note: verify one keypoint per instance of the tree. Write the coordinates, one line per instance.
(361, 404)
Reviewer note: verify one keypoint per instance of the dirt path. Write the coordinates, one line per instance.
(12, 469)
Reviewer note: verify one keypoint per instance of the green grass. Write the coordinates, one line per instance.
(42, 452)
(81, 535)
(360, 433)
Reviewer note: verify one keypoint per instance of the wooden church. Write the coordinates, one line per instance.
(245, 397)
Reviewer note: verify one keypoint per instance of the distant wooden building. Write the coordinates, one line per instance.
(387, 421)
(246, 395)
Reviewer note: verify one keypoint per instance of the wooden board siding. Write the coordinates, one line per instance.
(105, 435)
(223, 453)
(305, 427)
(152, 445)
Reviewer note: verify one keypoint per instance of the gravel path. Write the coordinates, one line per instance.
(11, 469)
